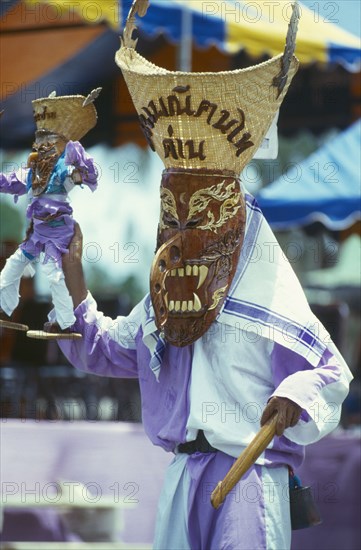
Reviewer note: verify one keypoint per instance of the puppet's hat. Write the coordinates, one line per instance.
(70, 116)
(206, 120)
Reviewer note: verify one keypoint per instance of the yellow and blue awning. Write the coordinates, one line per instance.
(325, 187)
(259, 27)
(69, 45)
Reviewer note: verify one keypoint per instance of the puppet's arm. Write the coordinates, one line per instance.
(85, 172)
(12, 185)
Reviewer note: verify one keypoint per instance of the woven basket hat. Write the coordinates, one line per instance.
(205, 120)
(69, 116)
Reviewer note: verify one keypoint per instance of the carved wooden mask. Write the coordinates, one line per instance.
(200, 235)
(46, 152)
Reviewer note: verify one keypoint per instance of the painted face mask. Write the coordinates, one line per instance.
(200, 235)
(42, 161)
(205, 127)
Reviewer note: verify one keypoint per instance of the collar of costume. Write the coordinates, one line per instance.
(152, 337)
(266, 297)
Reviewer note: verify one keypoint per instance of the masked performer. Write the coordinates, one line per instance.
(56, 165)
(226, 336)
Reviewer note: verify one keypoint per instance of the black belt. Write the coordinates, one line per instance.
(200, 445)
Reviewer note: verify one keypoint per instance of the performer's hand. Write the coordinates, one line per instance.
(73, 269)
(76, 176)
(288, 413)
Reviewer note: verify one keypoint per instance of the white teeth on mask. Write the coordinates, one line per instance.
(200, 271)
(184, 306)
(197, 303)
(203, 272)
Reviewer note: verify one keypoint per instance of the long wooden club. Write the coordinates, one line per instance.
(245, 461)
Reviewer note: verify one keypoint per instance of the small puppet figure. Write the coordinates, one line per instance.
(58, 163)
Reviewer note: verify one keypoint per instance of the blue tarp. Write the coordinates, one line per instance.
(325, 187)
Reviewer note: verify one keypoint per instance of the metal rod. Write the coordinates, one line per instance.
(185, 47)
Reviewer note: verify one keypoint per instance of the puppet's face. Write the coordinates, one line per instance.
(46, 150)
(200, 235)
(47, 144)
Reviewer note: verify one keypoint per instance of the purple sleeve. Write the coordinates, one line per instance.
(319, 390)
(108, 346)
(12, 185)
(76, 156)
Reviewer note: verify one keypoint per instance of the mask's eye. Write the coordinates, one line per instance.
(170, 221)
(193, 223)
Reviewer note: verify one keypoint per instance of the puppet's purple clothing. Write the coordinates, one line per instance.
(51, 214)
(76, 156)
(53, 224)
(51, 236)
(11, 185)
(51, 229)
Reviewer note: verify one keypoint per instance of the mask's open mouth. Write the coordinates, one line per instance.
(184, 289)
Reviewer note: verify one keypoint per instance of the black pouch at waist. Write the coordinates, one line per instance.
(200, 445)
(304, 512)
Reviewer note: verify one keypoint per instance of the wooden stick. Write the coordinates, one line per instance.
(244, 461)
(42, 335)
(14, 326)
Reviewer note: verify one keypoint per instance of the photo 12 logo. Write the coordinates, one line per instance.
(254, 12)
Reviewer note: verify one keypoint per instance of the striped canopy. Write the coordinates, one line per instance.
(324, 187)
(257, 26)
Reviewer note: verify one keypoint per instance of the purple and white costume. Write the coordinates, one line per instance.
(265, 342)
(51, 233)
